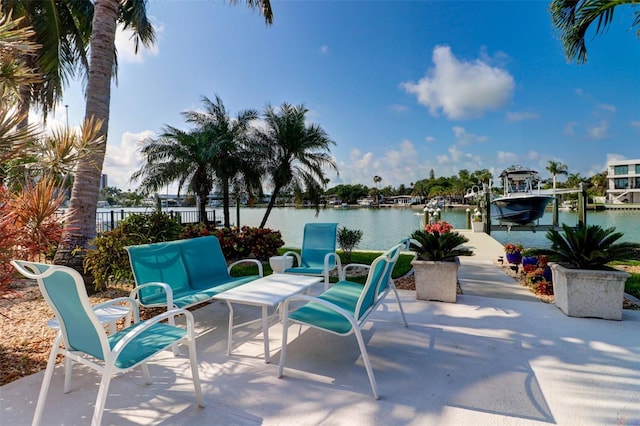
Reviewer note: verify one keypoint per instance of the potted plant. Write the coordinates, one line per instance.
(583, 284)
(476, 221)
(513, 253)
(437, 248)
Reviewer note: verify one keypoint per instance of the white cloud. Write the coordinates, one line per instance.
(126, 48)
(615, 157)
(465, 138)
(521, 116)
(600, 131)
(324, 49)
(123, 159)
(570, 129)
(429, 139)
(461, 89)
(507, 157)
(398, 108)
(635, 124)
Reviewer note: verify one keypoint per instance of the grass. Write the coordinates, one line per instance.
(364, 257)
(632, 286)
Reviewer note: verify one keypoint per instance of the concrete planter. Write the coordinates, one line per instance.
(589, 293)
(436, 280)
(477, 226)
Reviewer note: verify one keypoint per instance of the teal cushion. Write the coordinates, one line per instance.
(344, 294)
(156, 338)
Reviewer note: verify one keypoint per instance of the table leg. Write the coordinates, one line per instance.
(265, 334)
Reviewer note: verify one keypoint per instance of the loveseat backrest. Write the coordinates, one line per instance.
(183, 264)
(204, 262)
(158, 262)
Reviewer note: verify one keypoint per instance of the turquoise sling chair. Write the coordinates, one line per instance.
(86, 341)
(318, 255)
(344, 308)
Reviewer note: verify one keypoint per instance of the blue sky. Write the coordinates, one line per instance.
(402, 87)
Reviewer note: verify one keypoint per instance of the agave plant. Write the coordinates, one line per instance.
(588, 247)
(438, 246)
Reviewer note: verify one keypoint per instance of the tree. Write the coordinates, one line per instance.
(556, 169)
(84, 195)
(376, 180)
(295, 153)
(178, 156)
(62, 30)
(574, 17)
(233, 157)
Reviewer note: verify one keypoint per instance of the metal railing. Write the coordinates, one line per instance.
(105, 221)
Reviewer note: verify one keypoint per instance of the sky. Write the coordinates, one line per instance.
(402, 87)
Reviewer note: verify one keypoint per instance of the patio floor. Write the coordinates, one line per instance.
(485, 360)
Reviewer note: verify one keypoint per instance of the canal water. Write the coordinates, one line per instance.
(386, 226)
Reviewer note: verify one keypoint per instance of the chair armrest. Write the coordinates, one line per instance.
(256, 261)
(167, 288)
(294, 254)
(343, 275)
(327, 258)
(144, 325)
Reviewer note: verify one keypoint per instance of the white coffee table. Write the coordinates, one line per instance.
(266, 292)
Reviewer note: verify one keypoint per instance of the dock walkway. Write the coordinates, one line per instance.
(480, 276)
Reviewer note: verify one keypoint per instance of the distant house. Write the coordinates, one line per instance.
(623, 181)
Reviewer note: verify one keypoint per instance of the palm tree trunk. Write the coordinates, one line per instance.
(272, 202)
(80, 227)
(225, 202)
(202, 207)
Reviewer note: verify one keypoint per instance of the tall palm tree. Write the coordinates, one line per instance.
(574, 17)
(84, 195)
(232, 153)
(296, 154)
(62, 29)
(178, 156)
(556, 168)
(376, 180)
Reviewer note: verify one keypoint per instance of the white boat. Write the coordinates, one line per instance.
(520, 203)
(365, 202)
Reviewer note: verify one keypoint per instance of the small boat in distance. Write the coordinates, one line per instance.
(520, 204)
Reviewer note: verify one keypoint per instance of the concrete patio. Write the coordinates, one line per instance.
(497, 356)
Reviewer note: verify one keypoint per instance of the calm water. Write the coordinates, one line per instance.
(383, 228)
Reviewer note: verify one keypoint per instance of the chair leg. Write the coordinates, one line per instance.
(367, 363)
(103, 391)
(46, 381)
(395, 290)
(194, 371)
(68, 366)
(145, 373)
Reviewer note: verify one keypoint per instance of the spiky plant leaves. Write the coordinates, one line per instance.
(438, 246)
(588, 247)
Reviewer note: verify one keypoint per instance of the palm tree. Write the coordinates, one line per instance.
(84, 195)
(296, 154)
(178, 156)
(233, 156)
(62, 30)
(574, 17)
(556, 168)
(376, 180)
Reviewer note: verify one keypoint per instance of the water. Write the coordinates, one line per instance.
(382, 228)
(385, 227)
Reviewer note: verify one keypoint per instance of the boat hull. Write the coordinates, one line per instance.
(519, 210)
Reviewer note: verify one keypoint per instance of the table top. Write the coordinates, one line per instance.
(269, 290)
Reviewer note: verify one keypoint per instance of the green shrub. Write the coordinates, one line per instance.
(261, 243)
(108, 262)
(348, 239)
